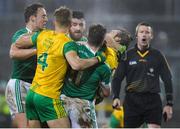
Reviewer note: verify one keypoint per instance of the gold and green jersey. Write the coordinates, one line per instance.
(51, 62)
(111, 58)
(23, 69)
(117, 118)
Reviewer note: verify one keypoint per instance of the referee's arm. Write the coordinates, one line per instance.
(166, 77)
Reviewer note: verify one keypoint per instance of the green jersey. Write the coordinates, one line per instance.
(83, 84)
(23, 69)
(83, 39)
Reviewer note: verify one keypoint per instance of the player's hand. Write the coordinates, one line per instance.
(100, 56)
(167, 112)
(116, 104)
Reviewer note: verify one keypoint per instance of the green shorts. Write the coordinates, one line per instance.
(42, 108)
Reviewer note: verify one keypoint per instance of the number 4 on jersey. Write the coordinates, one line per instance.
(42, 60)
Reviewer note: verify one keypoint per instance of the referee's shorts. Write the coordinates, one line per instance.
(142, 107)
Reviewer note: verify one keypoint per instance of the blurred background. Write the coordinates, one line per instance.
(163, 15)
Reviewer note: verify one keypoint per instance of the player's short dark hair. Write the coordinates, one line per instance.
(63, 16)
(77, 14)
(96, 35)
(31, 10)
(143, 24)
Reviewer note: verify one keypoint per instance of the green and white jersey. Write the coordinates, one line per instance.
(23, 69)
(83, 84)
(83, 39)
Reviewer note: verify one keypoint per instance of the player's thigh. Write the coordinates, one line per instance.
(31, 112)
(49, 109)
(34, 124)
(59, 123)
(15, 95)
(20, 120)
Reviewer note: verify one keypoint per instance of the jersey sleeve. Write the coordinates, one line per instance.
(17, 35)
(106, 76)
(34, 38)
(166, 77)
(70, 46)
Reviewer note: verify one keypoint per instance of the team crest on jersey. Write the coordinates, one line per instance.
(132, 62)
(150, 73)
(151, 70)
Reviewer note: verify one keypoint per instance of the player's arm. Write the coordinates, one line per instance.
(106, 90)
(105, 85)
(76, 63)
(21, 54)
(24, 41)
(27, 40)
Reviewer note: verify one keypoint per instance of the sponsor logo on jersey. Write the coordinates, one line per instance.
(132, 62)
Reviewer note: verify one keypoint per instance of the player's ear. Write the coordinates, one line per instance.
(152, 36)
(32, 18)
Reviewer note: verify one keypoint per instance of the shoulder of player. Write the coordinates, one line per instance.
(20, 31)
(44, 31)
(105, 67)
(131, 51)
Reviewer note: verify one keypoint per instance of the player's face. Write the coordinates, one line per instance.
(41, 18)
(77, 28)
(144, 36)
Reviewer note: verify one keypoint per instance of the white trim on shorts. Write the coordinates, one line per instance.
(16, 91)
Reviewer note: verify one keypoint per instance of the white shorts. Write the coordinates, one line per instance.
(81, 112)
(16, 91)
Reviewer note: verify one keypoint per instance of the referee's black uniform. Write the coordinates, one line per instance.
(142, 70)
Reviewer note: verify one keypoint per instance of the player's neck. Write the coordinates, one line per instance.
(93, 48)
(62, 30)
(29, 27)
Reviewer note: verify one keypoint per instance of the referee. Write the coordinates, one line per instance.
(142, 67)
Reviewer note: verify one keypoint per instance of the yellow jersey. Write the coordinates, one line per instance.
(111, 58)
(51, 63)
